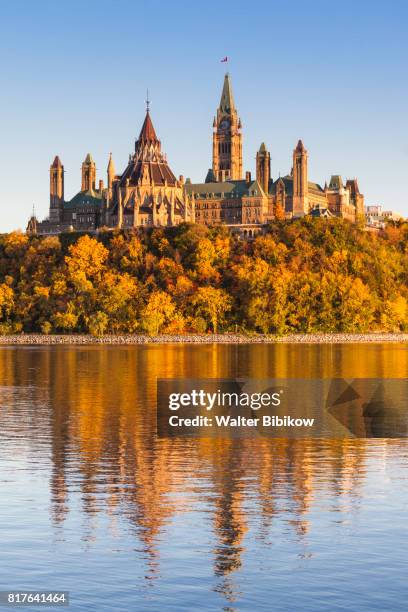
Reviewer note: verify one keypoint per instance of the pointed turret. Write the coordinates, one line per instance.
(148, 166)
(300, 181)
(300, 148)
(111, 171)
(147, 133)
(227, 99)
(56, 163)
(88, 174)
(263, 167)
(148, 146)
(56, 189)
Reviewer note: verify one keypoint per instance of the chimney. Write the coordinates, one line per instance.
(181, 179)
(248, 178)
(100, 185)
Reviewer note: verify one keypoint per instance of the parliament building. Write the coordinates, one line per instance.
(148, 194)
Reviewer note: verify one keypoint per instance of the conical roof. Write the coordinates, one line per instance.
(147, 133)
(89, 159)
(300, 146)
(111, 165)
(57, 162)
(148, 160)
(227, 99)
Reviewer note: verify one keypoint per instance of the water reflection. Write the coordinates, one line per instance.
(86, 417)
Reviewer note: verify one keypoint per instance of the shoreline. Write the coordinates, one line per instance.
(123, 339)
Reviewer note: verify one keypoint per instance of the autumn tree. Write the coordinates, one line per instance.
(304, 275)
(211, 304)
(158, 311)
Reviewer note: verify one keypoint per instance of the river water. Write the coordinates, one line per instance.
(92, 502)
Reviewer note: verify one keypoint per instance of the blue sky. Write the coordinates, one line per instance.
(73, 79)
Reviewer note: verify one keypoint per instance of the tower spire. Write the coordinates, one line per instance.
(111, 171)
(227, 137)
(227, 99)
(88, 174)
(263, 167)
(147, 101)
(56, 189)
(300, 181)
(147, 133)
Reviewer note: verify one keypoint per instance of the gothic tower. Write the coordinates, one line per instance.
(263, 167)
(56, 189)
(88, 174)
(227, 137)
(300, 181)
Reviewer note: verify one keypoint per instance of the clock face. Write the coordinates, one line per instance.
(224, 125)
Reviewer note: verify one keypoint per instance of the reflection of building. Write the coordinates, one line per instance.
(99, 433)
(147, 192)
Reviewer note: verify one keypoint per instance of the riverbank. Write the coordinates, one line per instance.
(84, 339)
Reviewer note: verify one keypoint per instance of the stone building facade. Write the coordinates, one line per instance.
(227, 197)
(147, 193)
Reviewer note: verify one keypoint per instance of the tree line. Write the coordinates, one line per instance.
(308, 275)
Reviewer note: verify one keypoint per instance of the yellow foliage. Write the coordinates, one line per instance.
(86, 257)
(6, 300)
(66, 320)
(14, 241)
(211, 304)
(59, 286)
(266, 248)
(42, 291)
(222, 247)
(305, 275)
(158, 311)
(395, 315)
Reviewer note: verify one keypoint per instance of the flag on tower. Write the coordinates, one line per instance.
(225, 59)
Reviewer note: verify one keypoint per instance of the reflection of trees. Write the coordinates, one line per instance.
(95, 407)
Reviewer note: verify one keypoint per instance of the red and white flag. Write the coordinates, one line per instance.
(224, 60)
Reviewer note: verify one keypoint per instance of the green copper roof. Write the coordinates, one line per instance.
(336, 182)
(210, 178)
(288, 182)
(227, 188)
(85, 198)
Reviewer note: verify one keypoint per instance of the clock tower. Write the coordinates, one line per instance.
(227, 137)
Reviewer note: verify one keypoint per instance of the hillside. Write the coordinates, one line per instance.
(310, 275)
